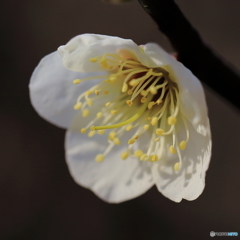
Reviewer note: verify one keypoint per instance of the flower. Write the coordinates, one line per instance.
(135, 117)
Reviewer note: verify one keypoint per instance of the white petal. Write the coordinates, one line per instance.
(193, 103)
(113, 180)
(52, 92)
(189, 182)
(77, 52)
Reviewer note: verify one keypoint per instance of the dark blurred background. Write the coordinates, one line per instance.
(39, 199)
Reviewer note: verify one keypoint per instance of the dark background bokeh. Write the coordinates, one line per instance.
(39, 199)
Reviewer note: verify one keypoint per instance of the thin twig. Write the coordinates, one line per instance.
(192, 51)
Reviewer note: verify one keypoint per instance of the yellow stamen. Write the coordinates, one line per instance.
(76, 81)
(107, 104)
(85, 113)
(159, 131)
(146, 126)
(99, 115)
(129, 103)
(124, 155)
(182, 145)
(143, 100)
(172, 120)
(144, 157)
(150, 105)
(124, 87)
(112, 135)
(99, 158)
(172, 149)
(77, 106)
(153, 158)
(116, 141)
(136, 137)
(83, 130)
(130, 120)
(96, 92)
(177, 166)
(138, 153)
(101, 132)
(89, 102)
(93, 60)
(91, 133)
(129, 127)
(105, 92)
(113, 111)
(154, 121)
(131, 141)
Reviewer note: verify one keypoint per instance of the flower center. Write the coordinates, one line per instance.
(134, 97)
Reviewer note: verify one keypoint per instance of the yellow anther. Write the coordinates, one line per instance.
(112, 135)
(83, 130)
(113, 111)
(154, 121)
(130, 92)
(143, 100)
(146, 127)
(85, 113)
(105, 92)
(131, 141)
(91, 133)
(124, 155)
(153, 158)
(99, 115)
(77, 106)
(134, 82)
(156, 139)
(172, 120)
(89, 102)
(129, 103)
(172, 149)
(159, 131)
(177, 166)
(96, 92)
(92, 128)
(136, 137)
(138, 153)
(124, 87)
(150, 105)
(107, 104)
(88, 93)
(144, 157)
(149, 72)
(113, 78)
(101, 132)
(93, 60)
(159, 101)
(76, 81)
(149, 118)
(182, 145)
(129, 127)
(99, 158)
(153, 90)
(144, 93)
(116, 141)
(103, 63)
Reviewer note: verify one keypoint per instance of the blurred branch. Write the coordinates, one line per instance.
(192, 51)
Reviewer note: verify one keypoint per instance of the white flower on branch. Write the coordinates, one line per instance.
(135, 117)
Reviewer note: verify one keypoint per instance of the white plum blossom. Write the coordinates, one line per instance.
(134, 115)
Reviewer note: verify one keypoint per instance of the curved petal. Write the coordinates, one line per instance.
(189, 182)
(77, 52)
(192, 98)
(51, 90)
(113, 180)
